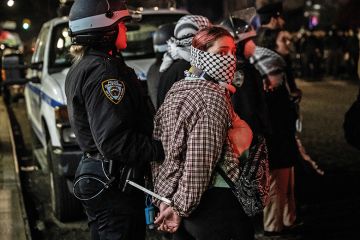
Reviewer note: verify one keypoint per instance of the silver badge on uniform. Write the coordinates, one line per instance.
(114, 90)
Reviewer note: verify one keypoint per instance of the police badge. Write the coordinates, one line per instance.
(114, 89)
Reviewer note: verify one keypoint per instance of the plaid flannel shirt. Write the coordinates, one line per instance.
(192, 124)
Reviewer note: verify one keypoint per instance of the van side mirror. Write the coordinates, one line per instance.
(34, 80)
(13, 69)
(36, 66)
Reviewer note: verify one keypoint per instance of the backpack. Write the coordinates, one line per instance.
(252, 187)
(352, 124)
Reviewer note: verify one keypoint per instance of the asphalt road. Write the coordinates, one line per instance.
(328, 205)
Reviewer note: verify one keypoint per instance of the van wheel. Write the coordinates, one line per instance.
(63, 203)
(35, 145)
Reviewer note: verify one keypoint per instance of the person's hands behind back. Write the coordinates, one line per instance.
(167, 219)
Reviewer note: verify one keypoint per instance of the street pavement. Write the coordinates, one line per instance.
(13, 221)
(328, 205)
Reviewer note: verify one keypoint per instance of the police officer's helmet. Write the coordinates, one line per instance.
(161, 35)
(94, 22)
(239, 29)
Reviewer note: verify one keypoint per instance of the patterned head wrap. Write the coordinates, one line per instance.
(179, 45)
(270, 65)
(220, 67)
(188, 26)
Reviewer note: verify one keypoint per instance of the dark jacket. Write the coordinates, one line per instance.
(282, 146)
(152, 81)
(249, 100)
(173, 74)
(108, 111)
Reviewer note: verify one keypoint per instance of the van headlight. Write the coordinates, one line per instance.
(66, 134)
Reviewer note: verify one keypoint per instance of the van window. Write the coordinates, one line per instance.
(59, 50)
(139, 35)
(40, 45)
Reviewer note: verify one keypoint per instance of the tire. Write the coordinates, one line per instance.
(63, 203)
(6, 95)
(35, 143)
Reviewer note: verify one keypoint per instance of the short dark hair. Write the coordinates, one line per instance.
(266, 38)
(266, 12)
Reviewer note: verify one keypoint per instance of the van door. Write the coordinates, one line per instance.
(35, 90)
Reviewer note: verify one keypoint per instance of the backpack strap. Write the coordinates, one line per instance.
(222, 173)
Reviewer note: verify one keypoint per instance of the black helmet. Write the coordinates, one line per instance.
(240, 29)
(161, 35)
(94, 22)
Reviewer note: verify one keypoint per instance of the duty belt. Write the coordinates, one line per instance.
(95, 155)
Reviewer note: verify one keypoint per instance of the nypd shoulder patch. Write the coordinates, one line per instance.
(113, 89)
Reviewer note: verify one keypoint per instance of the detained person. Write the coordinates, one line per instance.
(200, 130)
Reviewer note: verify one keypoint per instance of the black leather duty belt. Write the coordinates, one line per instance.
(96, 156)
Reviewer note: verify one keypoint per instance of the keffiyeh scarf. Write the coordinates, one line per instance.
(219, 67)
(179, 45)
(270, 65)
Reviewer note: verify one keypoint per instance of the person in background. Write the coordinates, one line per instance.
(160, 37)
(200, 130)
(334, 48)
(249, 99)
(352, 53)
(176, 59)
(111, 120)
(283, 48)
(280, 213)
(271, 16)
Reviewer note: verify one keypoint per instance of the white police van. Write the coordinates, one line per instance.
(57, 151)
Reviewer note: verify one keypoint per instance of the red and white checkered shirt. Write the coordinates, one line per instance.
(192, 125)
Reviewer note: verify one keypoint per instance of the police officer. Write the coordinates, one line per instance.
(111, 120)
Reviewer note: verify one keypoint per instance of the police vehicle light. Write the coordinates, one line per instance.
(63, 126)
(61, 114)
(68, 136)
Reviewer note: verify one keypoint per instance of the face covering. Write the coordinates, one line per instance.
(220, 67)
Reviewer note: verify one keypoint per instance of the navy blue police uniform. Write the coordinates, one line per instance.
(113, 126)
